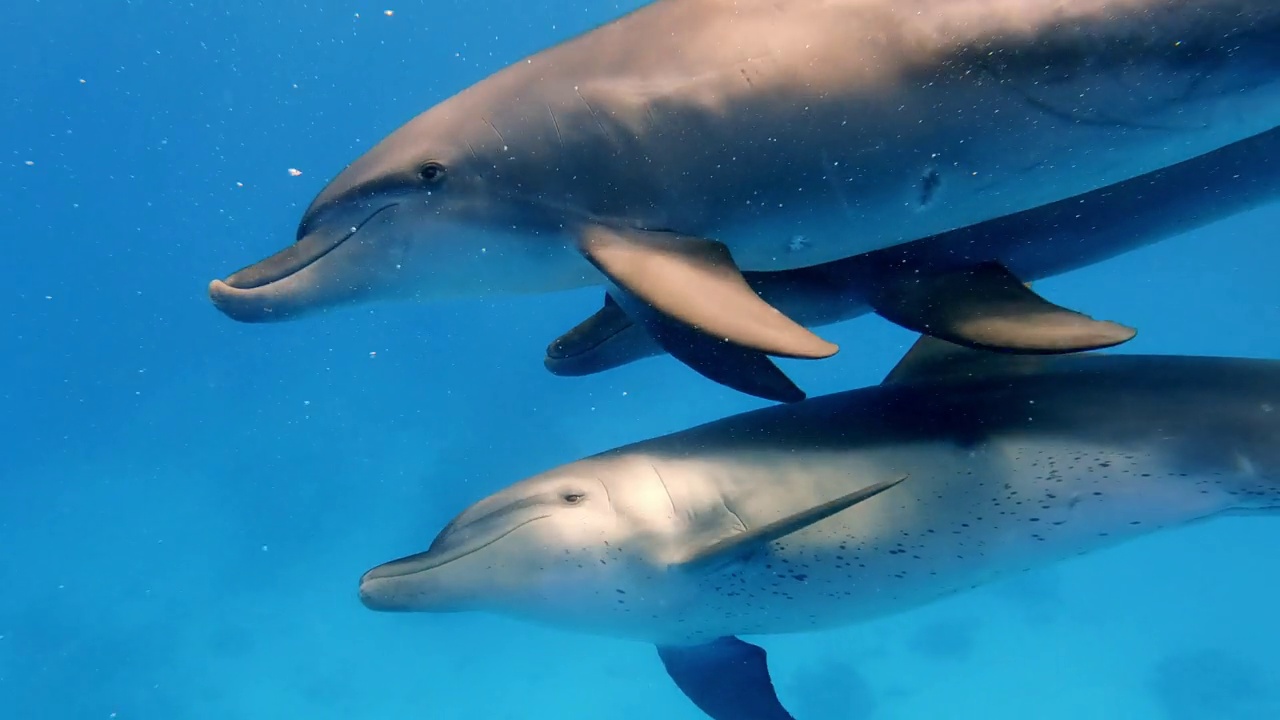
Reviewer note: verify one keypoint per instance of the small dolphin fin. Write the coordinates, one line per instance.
(987, 307)
(727, 678)
(931, 359)
(743, 544)
(587, 348)
(695, 281)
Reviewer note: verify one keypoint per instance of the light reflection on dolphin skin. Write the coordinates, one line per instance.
(961, 468)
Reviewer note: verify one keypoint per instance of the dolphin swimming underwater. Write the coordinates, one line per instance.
(664, 152)
(940, 270)
(962, 467)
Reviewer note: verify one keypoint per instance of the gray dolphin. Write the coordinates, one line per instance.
(663, 153)
(963, 466)
(941, 285)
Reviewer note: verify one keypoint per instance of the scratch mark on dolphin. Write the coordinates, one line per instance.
(665, 489)
(1099, 120)
(594, 116)
(607, 495)
(735, 515)
(495, 132)
(555, 124)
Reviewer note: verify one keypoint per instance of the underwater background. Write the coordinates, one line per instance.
(187, 503)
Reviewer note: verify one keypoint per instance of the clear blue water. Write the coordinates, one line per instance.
(186, 502)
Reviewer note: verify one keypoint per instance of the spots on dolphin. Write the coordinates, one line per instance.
(1054, 504)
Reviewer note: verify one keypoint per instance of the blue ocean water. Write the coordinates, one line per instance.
(186, 503)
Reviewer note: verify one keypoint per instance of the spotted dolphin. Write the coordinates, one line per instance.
(962, 467)
(928, 285)
(664, 153)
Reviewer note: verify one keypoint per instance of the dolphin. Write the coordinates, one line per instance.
(931, 285)
(662, 154)
(963, 466)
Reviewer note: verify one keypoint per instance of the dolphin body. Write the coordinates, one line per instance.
(1031, 245)
(663, 153)
(963, 466)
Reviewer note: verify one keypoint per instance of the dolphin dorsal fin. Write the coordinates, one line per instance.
(931, 359)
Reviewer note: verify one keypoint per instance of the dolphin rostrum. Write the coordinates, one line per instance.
(665, 152)
(963, 466)
(929, 286)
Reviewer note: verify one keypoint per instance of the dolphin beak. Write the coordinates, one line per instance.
(288, 261)
(286, 299)
(397, 586)
(416, 583)
(285, 285)
(378, 593)
(606, 340)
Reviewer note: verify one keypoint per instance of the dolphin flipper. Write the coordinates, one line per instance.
(987, 307)
(610, 338)
(742, 369)
(727, 678)
(742, 544)
(695, 282)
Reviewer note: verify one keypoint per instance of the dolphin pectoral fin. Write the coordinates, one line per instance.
(736, 367)
(727, 678)
(987, 307)
(610, 338)
(741, 545)
(695, 282)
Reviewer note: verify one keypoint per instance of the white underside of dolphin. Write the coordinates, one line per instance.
(963, 467)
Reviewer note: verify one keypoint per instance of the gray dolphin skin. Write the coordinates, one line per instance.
(1031, 245)
(962, 467)
(662, 154)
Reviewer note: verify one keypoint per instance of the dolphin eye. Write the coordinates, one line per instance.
(572, 498)
(431, 172)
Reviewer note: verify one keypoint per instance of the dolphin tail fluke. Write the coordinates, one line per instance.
(695, 282)
(727, 678)
(986, 307)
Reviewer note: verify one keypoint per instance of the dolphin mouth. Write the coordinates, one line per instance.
(380, 586)
(297, 257)
(584, 349)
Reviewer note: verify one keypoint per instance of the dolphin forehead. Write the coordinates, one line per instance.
(495, 513)
(441, 134)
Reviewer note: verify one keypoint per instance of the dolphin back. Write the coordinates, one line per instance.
(1214, 412)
